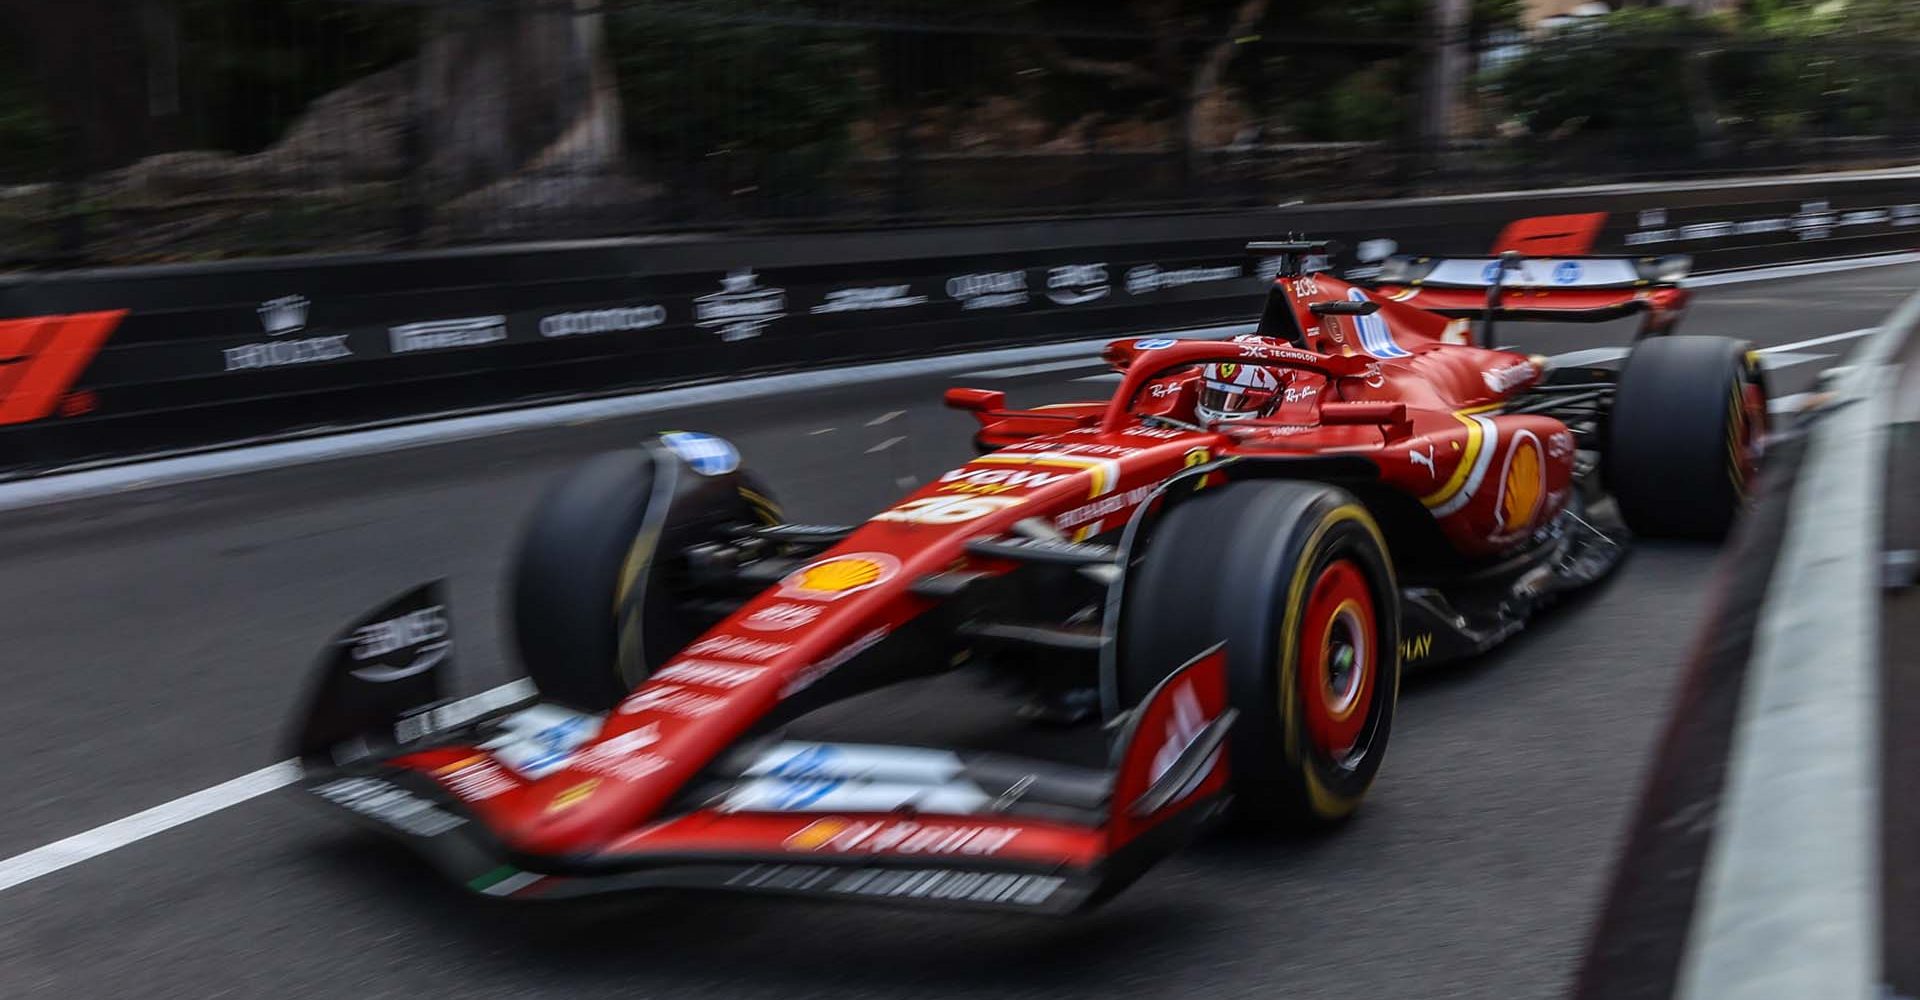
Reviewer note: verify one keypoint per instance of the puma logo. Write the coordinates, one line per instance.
(1426, 460)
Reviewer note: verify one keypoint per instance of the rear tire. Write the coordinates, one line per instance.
(596, 588)
(1684, 436)
(1295, 578)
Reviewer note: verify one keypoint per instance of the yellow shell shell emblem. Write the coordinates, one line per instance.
(830, 579)
(1520, 499)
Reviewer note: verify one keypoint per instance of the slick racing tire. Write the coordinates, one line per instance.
(1684, 438)
(598, 590)
(1294, 577)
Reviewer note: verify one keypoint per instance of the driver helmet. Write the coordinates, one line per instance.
(1231, 392)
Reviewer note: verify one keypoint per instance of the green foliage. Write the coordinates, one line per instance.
(1620, 75)
(738, 106)
(1783, 69)
(1370, 103)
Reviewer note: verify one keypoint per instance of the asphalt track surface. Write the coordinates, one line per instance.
(154, 642)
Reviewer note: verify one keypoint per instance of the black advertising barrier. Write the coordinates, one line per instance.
(209, 353)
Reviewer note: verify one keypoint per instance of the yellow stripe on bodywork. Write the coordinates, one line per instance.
(1100, 470)
(1460, 471)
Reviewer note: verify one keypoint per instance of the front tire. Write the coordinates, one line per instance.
(1685, 434)
(1296, 579)
(597, 589)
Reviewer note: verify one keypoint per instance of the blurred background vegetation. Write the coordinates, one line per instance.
(167, 129)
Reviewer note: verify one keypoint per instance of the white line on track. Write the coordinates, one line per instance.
(884, 445)
(86, 846)
(884, 417)
(1832, 338)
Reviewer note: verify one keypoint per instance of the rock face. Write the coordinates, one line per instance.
(508, 121)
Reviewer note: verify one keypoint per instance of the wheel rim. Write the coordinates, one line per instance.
(1339, 659)
(1749, 434)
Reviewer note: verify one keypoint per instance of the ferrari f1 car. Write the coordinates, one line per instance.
(1217, 574)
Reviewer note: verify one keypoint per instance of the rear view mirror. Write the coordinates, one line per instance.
(976, 400)
(1344, 307)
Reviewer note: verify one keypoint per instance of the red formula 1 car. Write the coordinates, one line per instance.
(1218, 574)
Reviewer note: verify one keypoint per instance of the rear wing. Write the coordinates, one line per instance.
(1562, 288)
(1513, 271)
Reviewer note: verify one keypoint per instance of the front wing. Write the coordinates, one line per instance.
(779, 817)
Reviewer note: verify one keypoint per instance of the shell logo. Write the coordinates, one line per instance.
(1523, 482)
(835, 577)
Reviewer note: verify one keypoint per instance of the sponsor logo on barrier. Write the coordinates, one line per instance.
(707, 673)
(279, 317)
(387, 803)
(807, 677)
(867, 299)
(284, 315)
(283, 353)
(1077, 284)
(988, 289)
(620, 320)
(1149, 278)
(845, 836)
(447, 334)
(1814, 221)
(741, 309)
